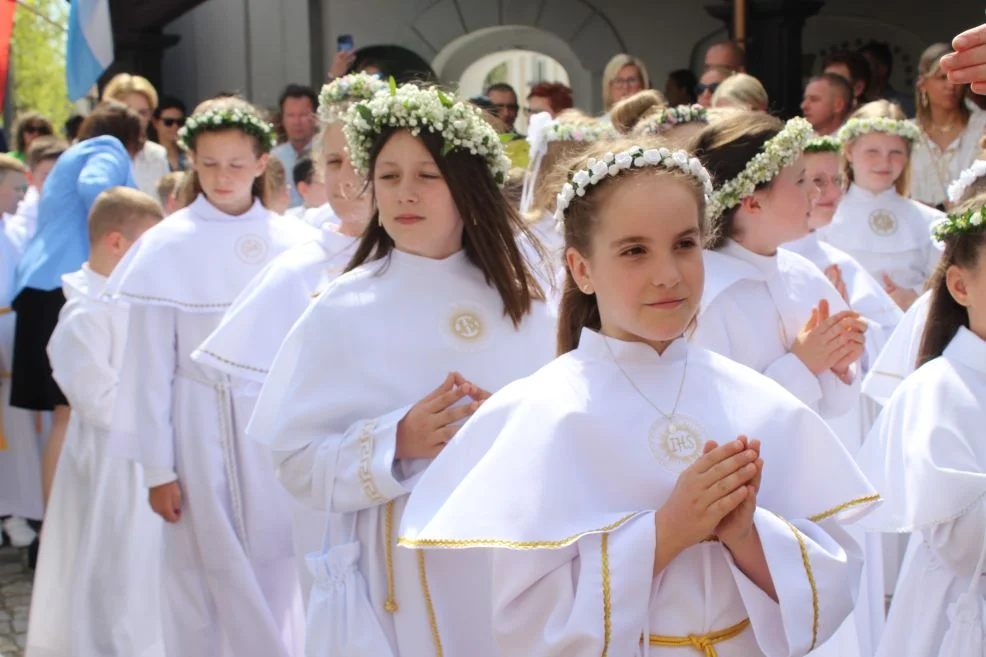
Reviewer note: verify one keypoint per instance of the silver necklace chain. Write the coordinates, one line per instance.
(681, 386)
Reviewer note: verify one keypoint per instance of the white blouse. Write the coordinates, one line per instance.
(933, 169)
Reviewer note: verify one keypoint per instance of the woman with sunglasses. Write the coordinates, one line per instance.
(709, 83)
(30, 126)
(169, 117)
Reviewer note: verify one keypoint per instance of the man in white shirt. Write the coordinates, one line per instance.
(827, 103)
(297, 106)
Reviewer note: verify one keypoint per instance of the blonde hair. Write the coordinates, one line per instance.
(880, 109)
(614, 66)
(124, 84)
(277, 175)
(546, 186)
(168, 184)
(190, 188)
(632, 113)
(929, 65)
(743, 91)
(10, 163)
(121, 209)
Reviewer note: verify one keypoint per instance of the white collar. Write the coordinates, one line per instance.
(202, 208)
(968, 349)
(596, 346)
(857, 194)
(84, 283)
(766, 265)
(808, 246)
(433, 265)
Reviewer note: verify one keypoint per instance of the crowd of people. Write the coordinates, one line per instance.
(387, 377)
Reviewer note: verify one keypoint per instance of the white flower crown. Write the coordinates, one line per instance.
(348, 88)
(965, 180)
(459, 124)
(824, 144)
(854, 128)
(612, 164)
(779, 151)
(671, 117)
(223, 119)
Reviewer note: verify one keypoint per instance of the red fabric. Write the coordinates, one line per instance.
(7, 9)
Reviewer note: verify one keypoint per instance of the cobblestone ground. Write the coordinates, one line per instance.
(15, 601)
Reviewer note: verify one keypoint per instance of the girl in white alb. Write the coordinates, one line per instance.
(765, 307)
(927, 457)
(876, 223)
(437, 308)
(229, 576)
(245, 343)
(640, 495)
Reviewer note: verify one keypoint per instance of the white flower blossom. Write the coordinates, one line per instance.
(854, 128)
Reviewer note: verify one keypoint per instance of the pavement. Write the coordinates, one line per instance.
(15, 601)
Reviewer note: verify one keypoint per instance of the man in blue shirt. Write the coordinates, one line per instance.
(298, 104)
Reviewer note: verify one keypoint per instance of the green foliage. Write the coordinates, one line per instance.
(37, 59)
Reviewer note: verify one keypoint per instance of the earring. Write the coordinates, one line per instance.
(585, 288)
(924, 99)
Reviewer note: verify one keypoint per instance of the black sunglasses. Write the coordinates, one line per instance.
(36, 129)
(702, 88)
(169, 122)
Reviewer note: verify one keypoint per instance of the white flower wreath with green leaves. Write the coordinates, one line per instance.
(347, 89)
(779, 151)
(958, 223)
(612, 164)
(855, 128)
(671, 117)
(461, 125)
(226, 119)
(825, 144)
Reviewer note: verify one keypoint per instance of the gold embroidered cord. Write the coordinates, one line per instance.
(811, 580)
(607, 596)
(390, 606)
(514, 545)
(432, 618)
(705, 643)
(842, 507)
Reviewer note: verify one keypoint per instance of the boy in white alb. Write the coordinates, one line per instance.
(96, 587)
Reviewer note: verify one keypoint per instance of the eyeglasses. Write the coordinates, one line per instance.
(631, 81)
(36, 130)
(170, 122)
(702, 88)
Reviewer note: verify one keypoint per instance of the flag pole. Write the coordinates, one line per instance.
(739, 23)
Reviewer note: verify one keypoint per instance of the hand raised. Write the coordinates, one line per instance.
(834, 274)
(820, 344)
(432, 422)
(738, 523)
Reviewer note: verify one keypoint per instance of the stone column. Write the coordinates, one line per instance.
(773, 46)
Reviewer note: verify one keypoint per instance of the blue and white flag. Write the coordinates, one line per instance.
(90, 45)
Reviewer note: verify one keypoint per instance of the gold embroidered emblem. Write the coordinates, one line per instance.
(251, 249)
(883, 222)
(677, 443)
(466, 325)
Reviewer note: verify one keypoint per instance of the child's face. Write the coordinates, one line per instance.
(878, 160)
(778, 214)
(39, 174)
(645, 266)
(13, 186)
(227, 165)
(823, 171)
(415, 203)
(343, 188)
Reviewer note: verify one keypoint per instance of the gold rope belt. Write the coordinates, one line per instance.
(705, 643)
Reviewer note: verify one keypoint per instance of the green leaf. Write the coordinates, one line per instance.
(445, 100)
(393, 86)
(447, 147)
(506, 138)
(365, 112)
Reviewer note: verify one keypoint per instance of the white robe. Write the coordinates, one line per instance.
(96, 590)
(882, 315)
(927, 458)
(887, 234)
(566, 468)
(252, 330)
(229, 578)
(374, 343)
(20, 462)
(899, 355)
(754, 307)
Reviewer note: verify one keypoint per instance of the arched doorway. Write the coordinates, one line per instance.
(521, 69)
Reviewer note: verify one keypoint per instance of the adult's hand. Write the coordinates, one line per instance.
(967, 65)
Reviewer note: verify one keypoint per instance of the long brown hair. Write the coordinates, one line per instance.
(946, 315)
(579, 310)
(490, 225)
(191, 187)
(725, 147)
